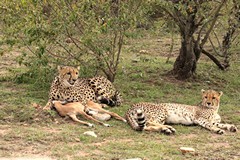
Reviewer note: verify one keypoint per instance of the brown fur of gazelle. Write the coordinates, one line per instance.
(99, 108)
(76, 108)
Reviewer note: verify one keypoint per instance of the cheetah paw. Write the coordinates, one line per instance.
(220, 131)
(233, 128)
(167, 131)
(173, 130)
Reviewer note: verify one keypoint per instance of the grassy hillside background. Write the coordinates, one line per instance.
(27, 132)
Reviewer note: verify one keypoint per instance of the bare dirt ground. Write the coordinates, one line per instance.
(16, 147)
(8, 61)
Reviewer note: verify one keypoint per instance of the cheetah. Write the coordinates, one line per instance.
(154, 117)
(67, 86)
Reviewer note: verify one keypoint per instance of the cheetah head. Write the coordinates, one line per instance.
(67, 75)
(211, 98)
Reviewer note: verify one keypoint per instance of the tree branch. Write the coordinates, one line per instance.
(69, 53)
(74, 13)
(72, 39)
(213, 47)
(214, 59)
(175, 18)
(213, 23)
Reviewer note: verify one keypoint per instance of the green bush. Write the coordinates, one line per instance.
(86, 33)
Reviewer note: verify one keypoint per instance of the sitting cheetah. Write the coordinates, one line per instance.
(68, 87)
(152, 117)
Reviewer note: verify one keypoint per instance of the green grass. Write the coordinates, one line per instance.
(24, 132)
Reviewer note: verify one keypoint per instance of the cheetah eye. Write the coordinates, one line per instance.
(76, 72)
(213, 97)
(205, 97)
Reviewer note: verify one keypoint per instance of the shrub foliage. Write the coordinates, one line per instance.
(68, 32)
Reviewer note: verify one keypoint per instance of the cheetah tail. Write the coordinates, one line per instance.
(141, 121)
(137, 121)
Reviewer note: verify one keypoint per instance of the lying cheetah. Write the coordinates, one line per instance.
(152, 117)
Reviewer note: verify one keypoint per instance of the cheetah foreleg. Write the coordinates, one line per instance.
(205, 124)
(152, 126)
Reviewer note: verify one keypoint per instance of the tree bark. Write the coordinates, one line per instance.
(110, 76)
(185, 64)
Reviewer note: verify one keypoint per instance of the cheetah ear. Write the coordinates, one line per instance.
(203, 91)
(59, 68)
(78, 67)
(220, 93)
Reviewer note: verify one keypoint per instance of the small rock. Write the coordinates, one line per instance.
(56, 121)
(77, 140)
(185, 150)
(143, 51)
(68, 40)
(90, 133)
(36, 119)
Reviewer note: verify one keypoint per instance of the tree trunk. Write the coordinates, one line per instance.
(111, 77)
(188, 23)
(185, 64)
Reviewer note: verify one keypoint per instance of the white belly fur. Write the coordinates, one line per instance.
(178, 119)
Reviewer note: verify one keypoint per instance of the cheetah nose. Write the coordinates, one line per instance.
(209, 103)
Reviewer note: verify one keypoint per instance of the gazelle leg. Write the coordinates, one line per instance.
(74, 118)
(116, 116)
(93, 119)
